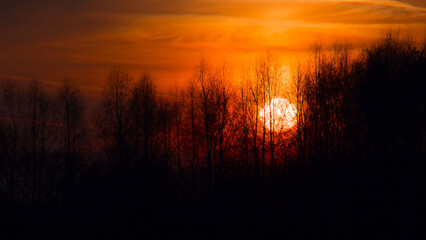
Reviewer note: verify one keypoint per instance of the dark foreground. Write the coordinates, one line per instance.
(341, 204)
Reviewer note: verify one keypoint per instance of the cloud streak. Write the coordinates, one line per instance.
(81, 40)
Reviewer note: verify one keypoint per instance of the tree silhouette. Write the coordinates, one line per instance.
(208, 161)
(39, 115)
(72, 129)
(12, 99)
(113, 118)
(143, 111)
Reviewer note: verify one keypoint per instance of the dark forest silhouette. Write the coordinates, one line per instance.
(200, 163)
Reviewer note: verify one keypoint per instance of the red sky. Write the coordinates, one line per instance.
(81, 40)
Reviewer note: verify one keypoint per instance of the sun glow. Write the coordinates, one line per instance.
(278, 114)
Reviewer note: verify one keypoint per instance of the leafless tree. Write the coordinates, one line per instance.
(222, 98)
(178, 118)
(143, 115)
(192, 126)
(243, 110)
(70, 115)
(40, 117)
(205, 81)
(298, 89)
(112, 118)
(13, 102)
(268, 76)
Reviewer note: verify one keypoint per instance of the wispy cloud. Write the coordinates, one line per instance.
(82, 39)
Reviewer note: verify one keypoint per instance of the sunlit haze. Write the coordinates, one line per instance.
(82, 40)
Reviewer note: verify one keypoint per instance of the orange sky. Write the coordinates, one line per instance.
(83, 39)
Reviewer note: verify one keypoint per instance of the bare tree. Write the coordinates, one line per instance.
(223, 97)
(143, 115)
(12, 99)
(178, 114)
(70, 115)
(165, 117)
(243, 117)
(112, 118)
(298, 90)
(205, 81)
(192, 119)
(255, 103)
(39, 116)
(268, 75)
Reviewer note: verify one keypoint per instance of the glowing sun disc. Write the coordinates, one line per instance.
(278, 114)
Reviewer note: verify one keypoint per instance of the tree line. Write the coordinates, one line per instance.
(360, 131)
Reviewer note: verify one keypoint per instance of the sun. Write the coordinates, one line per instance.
(278, 114)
